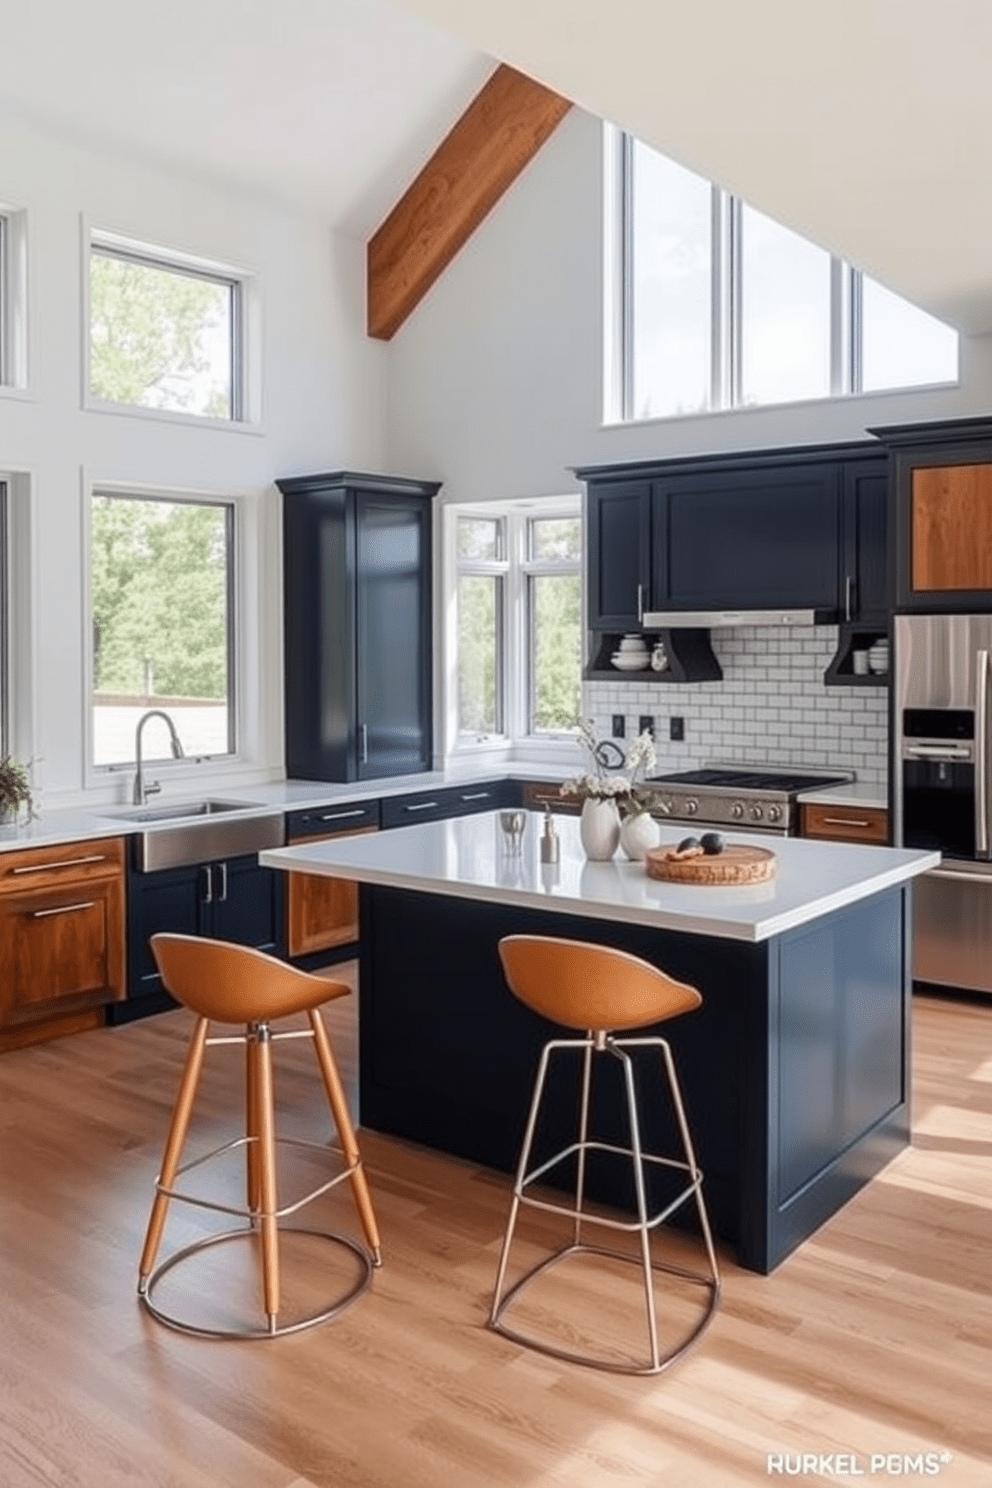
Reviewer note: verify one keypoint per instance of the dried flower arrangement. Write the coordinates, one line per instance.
(624, 783)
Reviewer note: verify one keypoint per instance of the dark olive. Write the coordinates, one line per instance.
(686, 843)
(711, 843)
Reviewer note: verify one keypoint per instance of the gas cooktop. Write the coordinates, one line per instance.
(759, 798)
(746, 779)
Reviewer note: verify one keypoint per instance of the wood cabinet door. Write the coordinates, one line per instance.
(951, 528)
(321, 912)
(60, 950)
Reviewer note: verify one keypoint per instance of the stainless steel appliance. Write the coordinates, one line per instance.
(752, 798)
(941, 790)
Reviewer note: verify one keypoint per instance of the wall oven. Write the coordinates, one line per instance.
(941, 790)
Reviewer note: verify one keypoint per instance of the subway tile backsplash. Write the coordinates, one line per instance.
(771, 708)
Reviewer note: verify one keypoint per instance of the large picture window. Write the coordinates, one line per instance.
(719, 306)
(163, 335)
(161, 586)
(516, 621)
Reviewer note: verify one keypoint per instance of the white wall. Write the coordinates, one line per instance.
(495, 387)
(323, 407)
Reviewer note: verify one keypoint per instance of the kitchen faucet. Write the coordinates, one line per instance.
(143, 790)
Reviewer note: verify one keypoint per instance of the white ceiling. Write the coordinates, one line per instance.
(329, 105)
(866, 124)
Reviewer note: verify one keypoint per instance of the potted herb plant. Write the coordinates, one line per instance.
(15, 790)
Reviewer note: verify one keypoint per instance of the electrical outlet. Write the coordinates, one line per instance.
(618, 726)
(645, 724)
(676, 729)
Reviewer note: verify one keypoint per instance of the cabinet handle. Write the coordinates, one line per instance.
(340, 815)
(65, 863)
(843, 821)
(640, 604)
(363, 729)
(847, 597)
(422, 806)
(222, 896)
(43, 914)
(475, 795)
(208, 880)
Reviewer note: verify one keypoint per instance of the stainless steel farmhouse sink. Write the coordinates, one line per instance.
(189, 832)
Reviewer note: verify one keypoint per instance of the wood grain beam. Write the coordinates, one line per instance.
(501, 130)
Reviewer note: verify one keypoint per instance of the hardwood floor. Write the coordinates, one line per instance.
(874, 1338)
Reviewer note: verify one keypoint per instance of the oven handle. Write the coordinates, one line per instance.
(959, 877)
(982, 754)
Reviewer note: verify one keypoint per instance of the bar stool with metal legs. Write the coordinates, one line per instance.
(601, 990)
(227, 983)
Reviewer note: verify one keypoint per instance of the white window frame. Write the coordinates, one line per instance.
(245, 330)
(515, 567)
(726, 357)
(240, 641)
(17, 624)
(14, 361)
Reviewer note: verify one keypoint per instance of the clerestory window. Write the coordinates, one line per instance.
(719, 306)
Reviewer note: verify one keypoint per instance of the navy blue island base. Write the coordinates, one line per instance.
(795, 1070)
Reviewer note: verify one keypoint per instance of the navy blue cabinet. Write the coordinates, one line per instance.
(790, 529)
(231, 900)
(460, 800)
(619, 558)
(357, 626)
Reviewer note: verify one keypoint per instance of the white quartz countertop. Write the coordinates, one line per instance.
(853, 793)
(85, 824)
(466, 858)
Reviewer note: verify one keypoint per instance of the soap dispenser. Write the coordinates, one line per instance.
(550, 845)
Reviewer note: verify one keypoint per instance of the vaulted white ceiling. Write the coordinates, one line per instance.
(866, 124)
(329, 105)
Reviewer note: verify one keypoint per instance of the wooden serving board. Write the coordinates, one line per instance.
(735, 865)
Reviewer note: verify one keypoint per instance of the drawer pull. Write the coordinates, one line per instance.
(341, 815)
(422, 806)
(844, 821)
(65, 863)
(43, 914)
(475, 795)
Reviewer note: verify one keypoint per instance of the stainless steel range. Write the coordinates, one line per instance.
(750, 798)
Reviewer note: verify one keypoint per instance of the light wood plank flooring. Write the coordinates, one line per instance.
(876, 1337)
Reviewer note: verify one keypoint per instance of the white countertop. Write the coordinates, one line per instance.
(853, 793)
(84, 824)
(466, 858)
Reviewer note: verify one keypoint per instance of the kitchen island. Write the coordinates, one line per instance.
(795, 1069)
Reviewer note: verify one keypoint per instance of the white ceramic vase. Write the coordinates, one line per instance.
(599, 828)
(637, 834)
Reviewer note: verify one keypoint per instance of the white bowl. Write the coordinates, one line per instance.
(630, 661)
(633, 643)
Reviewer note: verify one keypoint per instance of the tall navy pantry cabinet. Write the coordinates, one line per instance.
(357, 625)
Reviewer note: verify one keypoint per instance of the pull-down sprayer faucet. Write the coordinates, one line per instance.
(142, 790)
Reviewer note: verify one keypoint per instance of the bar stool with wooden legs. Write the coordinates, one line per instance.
(225, 983)
(601, 990)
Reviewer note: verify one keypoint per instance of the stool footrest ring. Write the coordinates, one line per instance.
(146, 1287)
(711, 1283)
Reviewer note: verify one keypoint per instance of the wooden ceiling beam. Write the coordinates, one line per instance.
(501, 130)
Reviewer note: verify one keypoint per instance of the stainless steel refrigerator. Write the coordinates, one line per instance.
(941, 790)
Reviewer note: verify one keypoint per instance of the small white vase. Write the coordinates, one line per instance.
(599, 828)
(637, 834)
